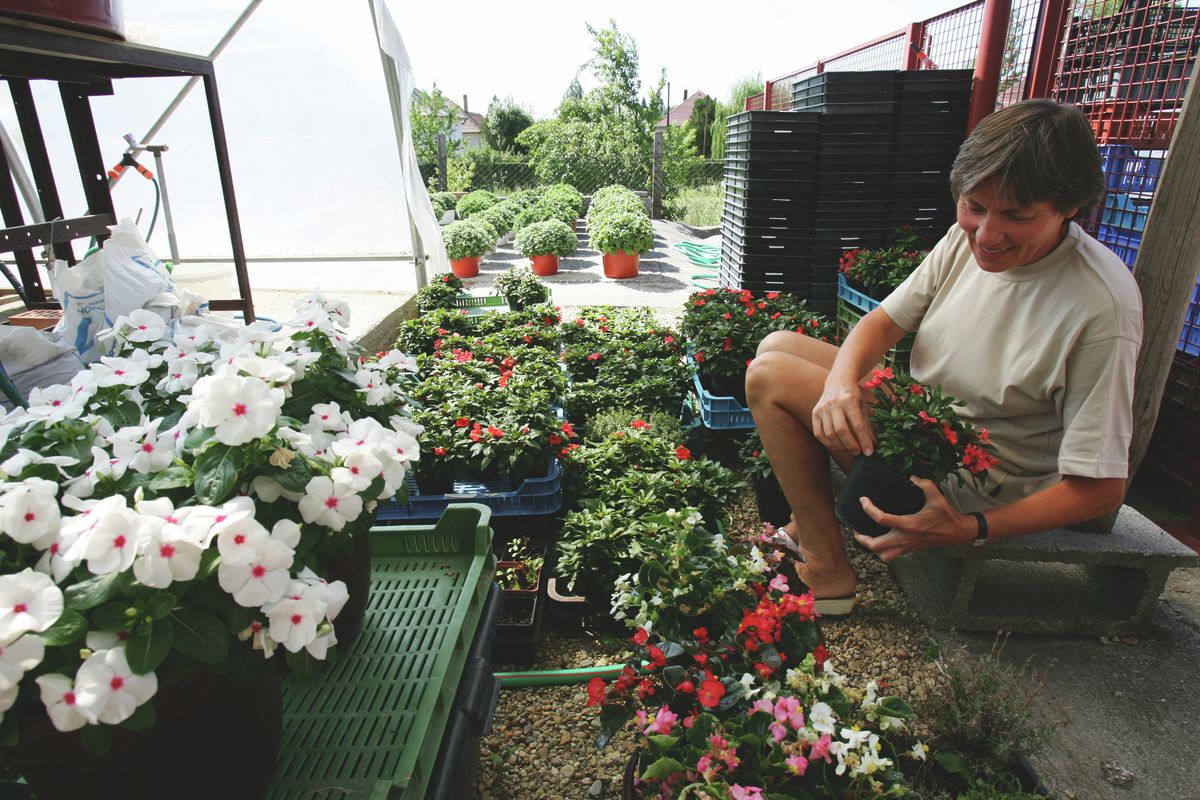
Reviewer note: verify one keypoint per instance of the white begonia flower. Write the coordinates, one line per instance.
(395, 358)
(109, 539)
(114, 371)
(142, 448)
(29, 510)
(871, 763)
(294, 621)
(330, 503)
(919, 751)
(821, 718)
(55, 403)
(839, 750)
(327, 417)
(182, 374)
(264, 579)
(374, 387)
(240, 409)
(141, 326)
(18, 658)
(358, 469)
(262, 639)
(167, 554)
(29, 601)
(854, 737)
(107, 688)
(23, 458)
(747, 681)
(62, 704)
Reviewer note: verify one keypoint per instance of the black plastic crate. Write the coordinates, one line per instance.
(854, 123)
(796, 217)
(739, 154)
(867, 162)
(741, 144)
(878, 107)
(934, 77)
(770, 187)
(744, 118)
(795, 238)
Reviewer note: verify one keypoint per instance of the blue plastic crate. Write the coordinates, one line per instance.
(1189, 337)
(1122, 242)
(1123, 211)
(1112, 162)
(721, 413)
(1140, 173)
(535, 496)
(854, 297)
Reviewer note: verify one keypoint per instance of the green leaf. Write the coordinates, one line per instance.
(143, 719)
(200, 635)
(111, 617)
(661, 769)
(96, 739)
(122, 414)
(69, 627)
(894, 707)
(664, 741)
(160, 605)
(303, 666)
(197, 437)
(838, 701)
(207, 594)
(146, 650)
(296, 476)
(612, 719)
(955, 765)
(670, 649)
(216, 473)
(209, 561)
(175, 477)
(92, 592)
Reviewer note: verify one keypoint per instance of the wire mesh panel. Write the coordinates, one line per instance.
(952, 39)
(779, 90)
(886, 54)
(755, 102)
(1018, 48)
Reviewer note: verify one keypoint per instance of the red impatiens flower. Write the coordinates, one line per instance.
(462, 422)
(596, 690)
(640, 636)
(439, 451)
(639, 424)
(951, 436)
(701, 635)
(594, 357)
(711, 692)
(916, 388)
(682, 453)
(494, 431)
(555, 439)
(978, 460)
(928, 420)
(568, 430)
(772, 295)
(668, 339)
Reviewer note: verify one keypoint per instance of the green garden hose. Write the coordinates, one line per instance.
(706, 256)
(557, 677)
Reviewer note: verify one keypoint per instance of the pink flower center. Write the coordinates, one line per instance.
(221, 518)
(118, 372)
(54, 549)
(119, 542)
(167, 550)
(239, 539)
(69, 698)
(116, 683)
(239, 410)
(258, 571)
(297, 619)
(30, 516)
(353, 471)
(331, 502)
(147, 448)
(20, 608)
(56, 403)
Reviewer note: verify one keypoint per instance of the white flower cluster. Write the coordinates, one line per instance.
(235, 382)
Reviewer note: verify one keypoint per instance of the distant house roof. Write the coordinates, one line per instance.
(472, 122)
(680, 114)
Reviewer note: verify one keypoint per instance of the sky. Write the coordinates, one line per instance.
(310, 135)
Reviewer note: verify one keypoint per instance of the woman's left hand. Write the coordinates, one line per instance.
(937, 524)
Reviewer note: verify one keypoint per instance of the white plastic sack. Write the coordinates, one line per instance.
(80, 292)
(34, 360)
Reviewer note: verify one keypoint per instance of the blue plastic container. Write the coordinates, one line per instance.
(854, 297)
(1189, 337)
(1140, 173)
(1122, 211)
(721, 413)
(534, 497)
(1112, 162)
(1124, 243)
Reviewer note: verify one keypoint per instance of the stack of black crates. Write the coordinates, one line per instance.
(861, 155)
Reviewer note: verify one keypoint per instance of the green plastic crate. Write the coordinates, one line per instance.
(848, 316)
(479, 304)
(370, 724)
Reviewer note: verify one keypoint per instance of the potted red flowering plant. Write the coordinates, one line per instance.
(876, 272)
(918, 433)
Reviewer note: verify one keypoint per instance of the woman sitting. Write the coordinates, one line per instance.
(1029, 321)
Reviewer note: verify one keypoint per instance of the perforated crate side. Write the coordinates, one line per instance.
(721, 413)
(848, 316)
(534, 497)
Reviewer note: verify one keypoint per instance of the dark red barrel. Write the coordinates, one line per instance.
(94, 16)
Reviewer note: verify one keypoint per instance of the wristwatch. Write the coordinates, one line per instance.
(981, 535)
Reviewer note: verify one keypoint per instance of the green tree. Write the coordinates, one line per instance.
(615, 65)
(704, 111)
(432, 114)
(743, 87)
(681, 165)
(505, 121)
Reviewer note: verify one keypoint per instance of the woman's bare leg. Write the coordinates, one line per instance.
(783, 383)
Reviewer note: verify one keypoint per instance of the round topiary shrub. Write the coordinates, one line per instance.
(627, 231)
(500, 217)
(521, 287)
(552, 237)
(442, 202)
(467, 239)
(473, 203)
(569, 194)
(547, 208)
(612, 199)
(524, 198)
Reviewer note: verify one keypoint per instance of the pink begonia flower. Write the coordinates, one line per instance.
(762, 704)
(330, 503)
(704, 765)
(18, 658)
(62, 704)
(779, 583)
(745, 792)
(107, 688)
(779, 731)
(142, 448)
(29, 510)
(239, 409)
(787, 709)
(820, 749)
(29, 601)
(640, 716)
(797, 764)
(663, 722)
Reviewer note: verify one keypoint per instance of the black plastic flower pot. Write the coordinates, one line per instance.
(890, 491)
(519, 629)
(726, 386)
(772, 505)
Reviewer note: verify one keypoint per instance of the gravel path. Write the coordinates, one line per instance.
(541, 744)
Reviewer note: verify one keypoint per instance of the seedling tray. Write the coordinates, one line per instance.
(534, 496)
(371, 722)
(477, 303)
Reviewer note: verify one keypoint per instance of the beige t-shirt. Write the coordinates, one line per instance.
(1042, 355)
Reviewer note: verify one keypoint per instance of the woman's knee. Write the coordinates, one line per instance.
(768, 372)
(779, 342)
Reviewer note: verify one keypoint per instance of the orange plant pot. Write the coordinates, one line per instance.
(544, 266)
(465, 267)
(621, 264)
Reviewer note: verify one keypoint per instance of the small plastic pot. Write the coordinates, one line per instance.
(465, 267)
(890, 491)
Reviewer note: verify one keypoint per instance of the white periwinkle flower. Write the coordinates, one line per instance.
(107, 688)
(294, 621)
(29, 601)
(330, 503)
(167, 555)
(18, 658)
(264, 578)
(142, 448)
(141, 326)
(55, 403)
(113, 371)
(62, 704)
(240, 409)
(29, 510)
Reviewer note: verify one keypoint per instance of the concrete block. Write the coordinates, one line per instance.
(1061, 581)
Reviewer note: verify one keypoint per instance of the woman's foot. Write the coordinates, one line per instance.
(824, 582)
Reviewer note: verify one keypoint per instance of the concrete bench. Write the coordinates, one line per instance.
(1062, 581)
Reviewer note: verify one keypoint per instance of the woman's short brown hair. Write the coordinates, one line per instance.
(1035, 150)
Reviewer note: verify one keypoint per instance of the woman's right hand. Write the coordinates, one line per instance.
(840, 418)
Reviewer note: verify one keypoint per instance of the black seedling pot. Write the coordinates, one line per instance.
(890, 491)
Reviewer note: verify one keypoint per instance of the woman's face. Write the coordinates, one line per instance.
(1004, 235)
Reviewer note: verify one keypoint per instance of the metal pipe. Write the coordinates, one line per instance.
(992, 39)
(191, 82)
(24, 184)
(157, 150)
(1047, 48)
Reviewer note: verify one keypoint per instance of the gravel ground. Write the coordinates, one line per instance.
(541, 744)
